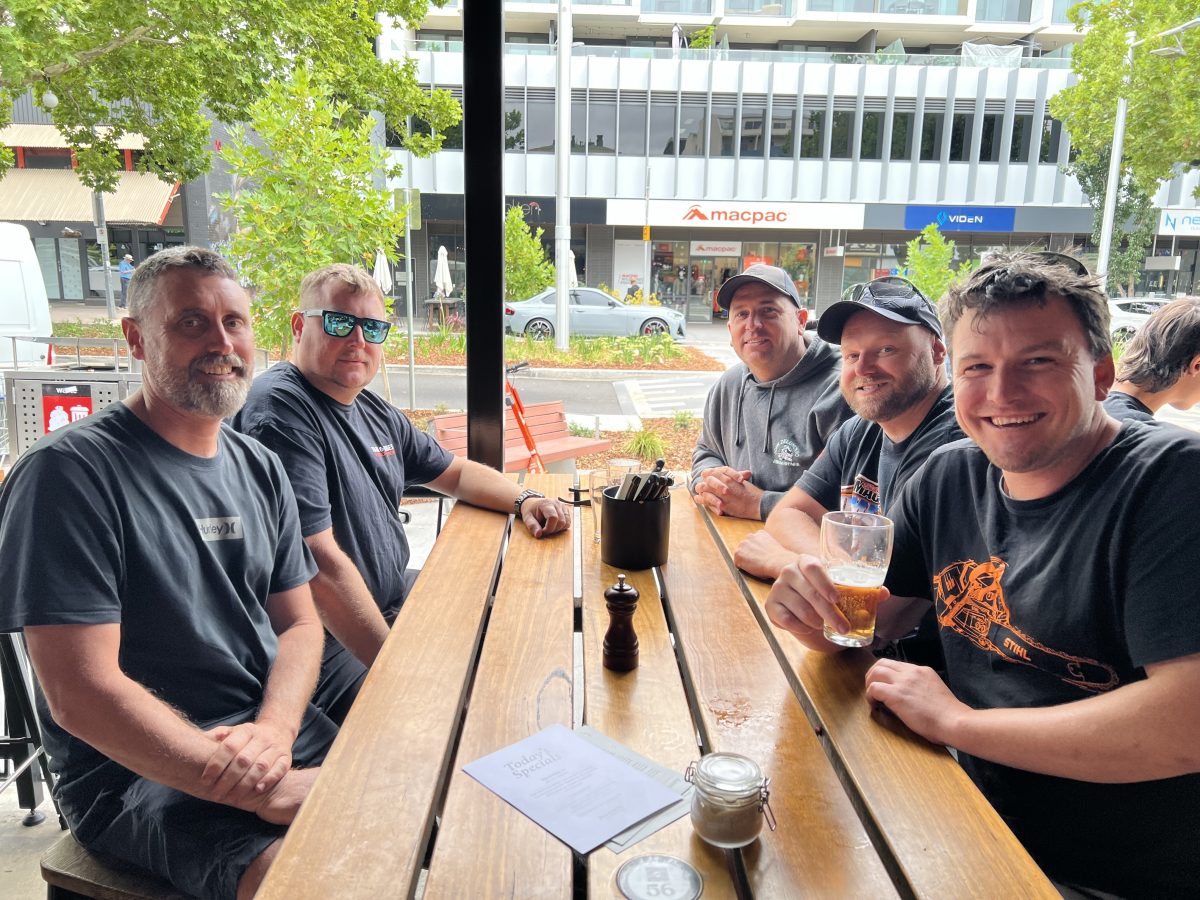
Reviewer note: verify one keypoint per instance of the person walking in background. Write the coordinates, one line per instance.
(125, 271)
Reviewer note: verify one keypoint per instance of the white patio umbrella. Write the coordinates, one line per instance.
(676, 39)
(382, 273)
(442, 282)
(572, 275)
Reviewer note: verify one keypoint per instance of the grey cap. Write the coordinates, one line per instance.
(891, 297)
(759, 273)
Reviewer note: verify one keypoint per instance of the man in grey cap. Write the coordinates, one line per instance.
(769, 417)
(894, 377)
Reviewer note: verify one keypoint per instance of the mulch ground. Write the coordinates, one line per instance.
(689, 360)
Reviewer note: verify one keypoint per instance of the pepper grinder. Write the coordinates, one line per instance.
(620, 641)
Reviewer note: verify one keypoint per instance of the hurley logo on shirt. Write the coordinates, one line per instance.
(220, 528)
(787, 453)
(385, 450)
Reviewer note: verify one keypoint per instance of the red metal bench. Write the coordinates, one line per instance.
(548, 424)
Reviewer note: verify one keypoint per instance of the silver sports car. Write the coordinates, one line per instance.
(593, 314)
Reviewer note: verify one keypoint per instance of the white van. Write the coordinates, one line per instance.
(24, 309)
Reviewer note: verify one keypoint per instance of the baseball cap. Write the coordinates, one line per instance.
(129, 256)
(759, 273)
(893, 298)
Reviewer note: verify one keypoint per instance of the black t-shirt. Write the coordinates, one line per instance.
(348, 466)
(847, 475)
(1048, 601)
(1125, 407)
(105, 522)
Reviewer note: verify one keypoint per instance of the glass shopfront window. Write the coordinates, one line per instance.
(669, 273)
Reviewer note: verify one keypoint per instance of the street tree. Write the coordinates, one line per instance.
(310, 166)
(929, 263)
(1136, 218)
(526, 267)
(156, 67)
(1163, 119)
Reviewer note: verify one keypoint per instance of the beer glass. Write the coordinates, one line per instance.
(856, 548)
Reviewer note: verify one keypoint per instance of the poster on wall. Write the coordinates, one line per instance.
(63, 404)
(629, 262)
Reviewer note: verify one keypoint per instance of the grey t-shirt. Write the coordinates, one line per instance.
(105, 522)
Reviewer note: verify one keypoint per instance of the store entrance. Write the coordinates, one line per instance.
(706, 275)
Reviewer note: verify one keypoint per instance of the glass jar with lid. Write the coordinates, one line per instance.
(730, 800)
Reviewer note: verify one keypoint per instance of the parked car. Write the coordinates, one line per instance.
(96, 280)
(1129, 314)
(593, 314)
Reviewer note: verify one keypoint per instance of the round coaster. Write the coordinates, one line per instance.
(658, 877)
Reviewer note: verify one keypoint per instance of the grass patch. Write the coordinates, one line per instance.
(77, 328)
(645, 445)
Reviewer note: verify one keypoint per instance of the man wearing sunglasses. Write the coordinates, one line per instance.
(350, 455)
(1056, 548)
(767, 419)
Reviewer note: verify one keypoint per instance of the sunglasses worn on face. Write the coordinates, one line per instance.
(340, 325)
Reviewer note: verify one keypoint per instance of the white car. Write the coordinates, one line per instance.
(1130, 314)
(593, 314)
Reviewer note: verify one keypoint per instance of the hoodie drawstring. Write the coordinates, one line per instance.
(770, 409)
(737, 435)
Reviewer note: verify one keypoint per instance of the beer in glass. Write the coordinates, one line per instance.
(856, 548)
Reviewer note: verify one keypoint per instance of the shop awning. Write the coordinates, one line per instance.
(49, 136)
(56, 195)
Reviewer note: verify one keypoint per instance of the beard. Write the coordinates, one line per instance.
(900, 397)
(217, 401)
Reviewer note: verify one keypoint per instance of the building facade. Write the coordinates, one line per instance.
(820, 137)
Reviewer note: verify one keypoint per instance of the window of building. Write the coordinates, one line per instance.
(662, 126)
(514, 124)
(843, 134)
(539, 137)
(579, 125)
(797, 261)
(989, 144)
(669, 268)
(691, 129)
(723, 129)
(1051, 136)
(752, 131)
(931, 136)
(602, 125)
(871, 145)
(902, 135)
(47, 158)
(961, 125)
(1018, 151)
(632, 138)
(783, 134)
(812, 137)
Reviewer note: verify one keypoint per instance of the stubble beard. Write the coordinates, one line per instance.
(898, 400)
(217, 401)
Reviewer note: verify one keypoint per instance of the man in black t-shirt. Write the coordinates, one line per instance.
(894, 378)
(153, 559)
(1161, 365)
(1057, 551)
(349, 456)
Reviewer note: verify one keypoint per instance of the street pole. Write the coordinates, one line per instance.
(1114, 170)
(562, 186)
(102, 240)
(646, 241)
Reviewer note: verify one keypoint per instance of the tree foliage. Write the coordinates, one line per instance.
(154, 67)
(1135, 206)
(929, 263)
(311, 166)
(526, 268)
(1163, 119)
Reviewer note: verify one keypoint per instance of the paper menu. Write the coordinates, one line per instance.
(576, 791)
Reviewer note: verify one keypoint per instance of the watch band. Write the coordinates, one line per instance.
(522, 497)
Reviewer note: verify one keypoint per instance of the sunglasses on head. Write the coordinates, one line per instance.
(894, 286)
(1061, 259)
(340, 324)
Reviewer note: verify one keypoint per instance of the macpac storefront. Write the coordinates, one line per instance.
(688, 249)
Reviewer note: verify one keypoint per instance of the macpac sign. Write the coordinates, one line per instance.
(733, 214)
(1180, 222)
(961, 218)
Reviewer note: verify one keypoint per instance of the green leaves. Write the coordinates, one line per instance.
(309, 200)
(928, 263)
(526, 268)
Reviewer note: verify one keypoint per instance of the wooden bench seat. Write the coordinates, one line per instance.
(547, 423)
(71, 871)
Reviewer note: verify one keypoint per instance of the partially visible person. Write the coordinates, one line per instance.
(632, 292)
(125, 272)
(767, 418)
(1160, 365)
(894, 378)
(153, 558)
(1056, 550)
(350, 456)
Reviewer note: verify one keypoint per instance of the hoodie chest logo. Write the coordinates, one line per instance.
(786, 453)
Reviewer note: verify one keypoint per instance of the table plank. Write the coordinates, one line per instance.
(647, 710)
(523, 683)
(746, 705)
(941, 835)
(384, 773)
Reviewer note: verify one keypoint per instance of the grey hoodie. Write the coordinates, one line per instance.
(774, 429)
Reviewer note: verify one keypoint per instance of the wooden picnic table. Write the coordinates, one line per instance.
(500, 639)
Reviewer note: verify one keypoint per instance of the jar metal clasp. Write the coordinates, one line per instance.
(764, 803)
